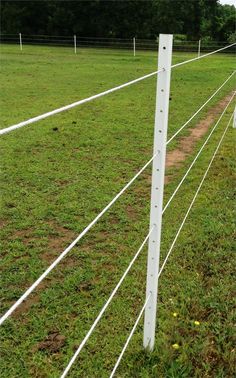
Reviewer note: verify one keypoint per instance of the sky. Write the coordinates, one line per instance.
(230, 2)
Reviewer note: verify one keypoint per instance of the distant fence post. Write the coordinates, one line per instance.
(158, 174)
(199, 48)
(20, 41)
(75, 43)
(234, 118)
(134, 47)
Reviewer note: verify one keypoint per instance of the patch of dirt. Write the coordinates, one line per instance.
(186, 144)
(57, 242)
(61, 238)
(114, 219)
(52, 344)
(63, 182)
(31, 300)
(167, 179)
(131, 212)
(3, 223)
(85, 286)
(26, 235)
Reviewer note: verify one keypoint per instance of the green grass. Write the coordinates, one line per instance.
(57, 175)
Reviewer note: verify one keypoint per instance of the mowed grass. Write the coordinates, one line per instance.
(57, 175)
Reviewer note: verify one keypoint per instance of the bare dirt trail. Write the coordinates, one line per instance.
(186, 144)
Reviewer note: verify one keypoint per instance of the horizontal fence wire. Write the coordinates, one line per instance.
(77, 103)
(105, 306)
(130, 336)
(194, 198)
(197, 156)
(201, 107)
(170, 250)
(108, 42)
(176, 41)
(80, 102)
(203, 56)
(68, 249)
(64, 253)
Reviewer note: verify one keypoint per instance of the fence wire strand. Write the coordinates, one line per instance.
(88, 99)
(194, 198)
(73, 359)
(201, 107)
(67, 250)
(196, 157)
(202, 56)
(107, 207)
(77, 103)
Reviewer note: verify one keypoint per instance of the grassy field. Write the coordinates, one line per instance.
(58, 174)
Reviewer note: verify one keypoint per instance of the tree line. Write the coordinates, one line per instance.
(190, 19)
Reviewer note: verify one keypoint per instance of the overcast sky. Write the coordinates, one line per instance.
(231, 2)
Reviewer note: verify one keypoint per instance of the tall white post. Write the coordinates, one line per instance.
(234, 118)
(20, 41)
(158, 174)
(134, 46)
(75, 43)
(199, 48)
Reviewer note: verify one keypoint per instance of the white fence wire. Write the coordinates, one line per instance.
(169, 252)
(106, 305)
(194, 198)
(91, 98)
(144, 242)
(197, 156)
(105, 43)
(130, 336)
(67, 250)
(84, 232)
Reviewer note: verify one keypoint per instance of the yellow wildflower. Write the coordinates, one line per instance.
(175, 314)
(175, 346)
(197, 323)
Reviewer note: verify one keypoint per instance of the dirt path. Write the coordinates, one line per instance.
(187, 143)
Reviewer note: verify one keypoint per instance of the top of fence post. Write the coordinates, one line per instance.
(158, 174)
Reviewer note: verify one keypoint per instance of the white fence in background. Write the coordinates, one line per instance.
(133, 44)
(158, 171)
(199, 47)
(75, 44)
(20, 38)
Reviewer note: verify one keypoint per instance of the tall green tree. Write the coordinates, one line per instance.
(119, 18)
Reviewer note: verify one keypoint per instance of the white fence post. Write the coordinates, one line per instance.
(199, 48)
(158, 174)
(20, 41)
(234, 118)
(75, 43)
(134, 46)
